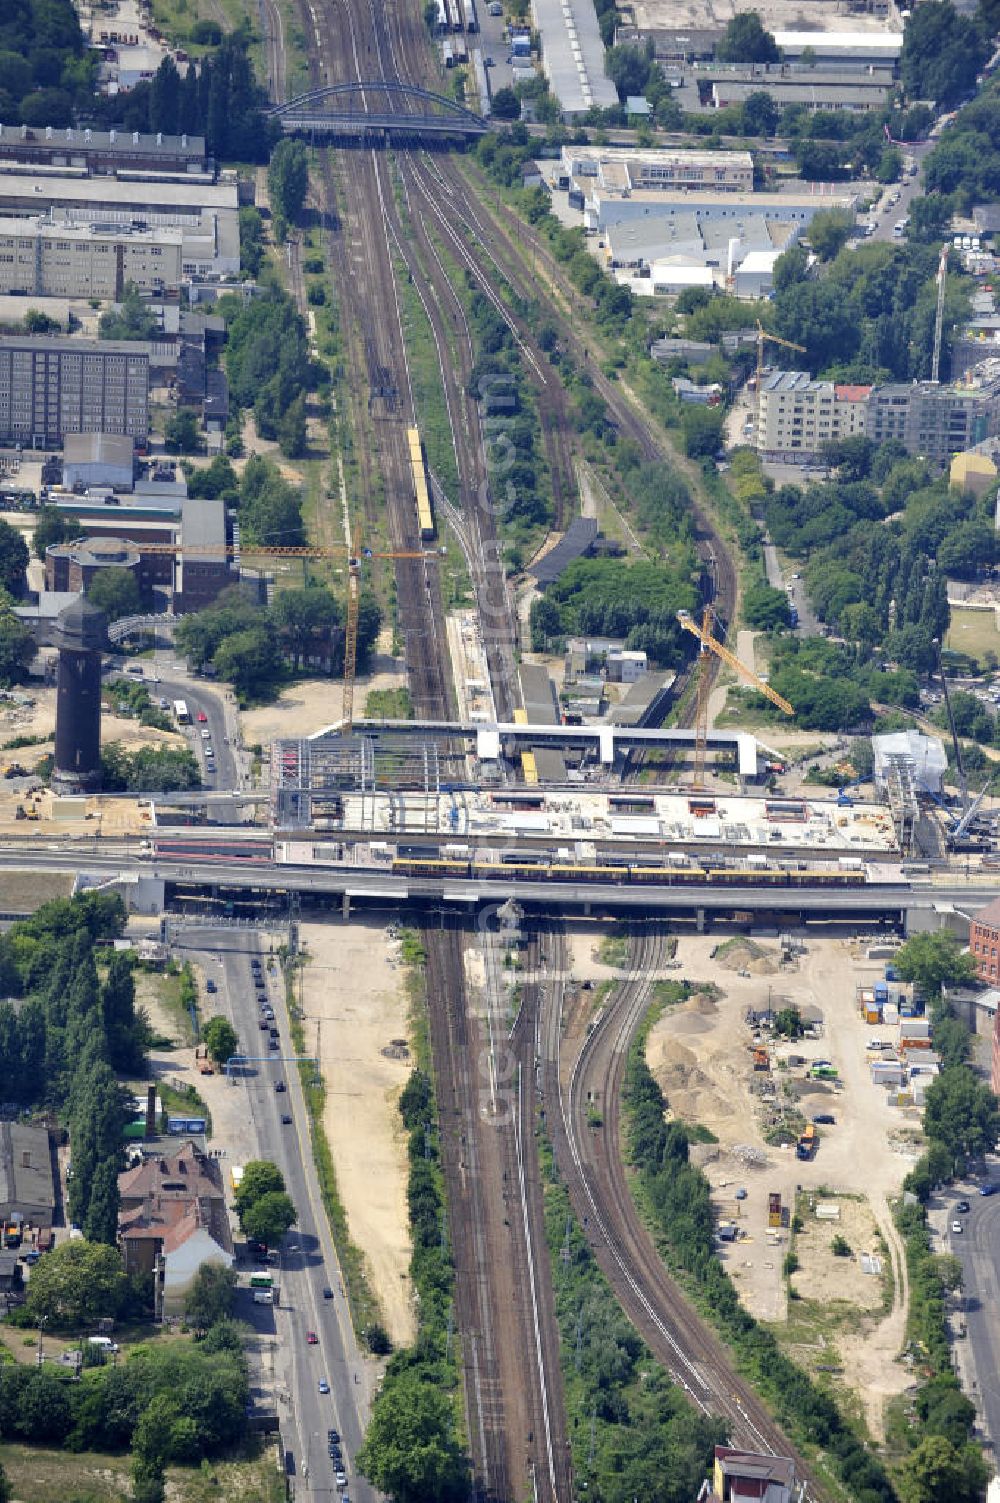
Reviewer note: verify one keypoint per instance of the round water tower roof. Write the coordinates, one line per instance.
(83, 626)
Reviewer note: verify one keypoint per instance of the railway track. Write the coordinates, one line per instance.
(592, 1164)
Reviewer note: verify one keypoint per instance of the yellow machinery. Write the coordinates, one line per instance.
(711, 644)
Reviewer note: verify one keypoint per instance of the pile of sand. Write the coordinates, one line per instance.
(747, 955)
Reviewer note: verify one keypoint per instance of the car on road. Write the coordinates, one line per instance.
(279, 1085)
(211, 987)
(286, 1120)
(340, 1477)
(202, 718)
(987, 1189)
(963, 1207)
(328, 1294)
(824, 1119)
(164, 704)
(263, 1025)
(336, 1454)
(324, 1386)
(206, 734)
(311, 1338)
(957, 1227)
(273, 1044)
(333, 1435)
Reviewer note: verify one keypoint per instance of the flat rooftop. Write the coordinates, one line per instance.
(777, 15)
(88, 192)
(578, 818)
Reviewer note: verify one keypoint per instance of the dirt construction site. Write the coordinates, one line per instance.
(847, 1308)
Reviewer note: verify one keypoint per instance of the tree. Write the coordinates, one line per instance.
(220, 1038)
(100, 1224)
(249, 660)
(293, 437)
(933, 961)
(890, 165)
(131, 319)
(51, 527)
(745, 40)
(936, 1471)
(766, 609)
(788, 1023)
(268, 1219)
(962, 1113)
(210, 1298)
(306, 620)
(14, 557)
(829, 231)
(628, 68)
(182, 432)
(115, 591)
(410, 1451)
(288, 179)
(702, 430)
(506, 105)
(260, 1177)
(251, 240)
(77, 1284)
(760, 114)
(942, 53)
(36, 322)
(17, 647)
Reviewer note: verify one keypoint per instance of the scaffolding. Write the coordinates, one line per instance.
(311, 778)
(900, 786)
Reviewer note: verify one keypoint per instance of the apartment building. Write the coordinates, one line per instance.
(52, 386)
(798, 415)
(937, 421)
(51, 259)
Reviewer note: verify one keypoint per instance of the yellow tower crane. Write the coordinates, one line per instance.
(355, 555)
(762, 335)
(711, 644)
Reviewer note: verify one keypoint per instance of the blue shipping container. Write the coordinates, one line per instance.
(178, 1126)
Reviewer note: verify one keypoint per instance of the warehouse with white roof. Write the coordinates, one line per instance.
(573, 55)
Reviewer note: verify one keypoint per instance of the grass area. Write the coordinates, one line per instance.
(38, 1475)
(975, 633)
(428, 390)
(363, 1305)
(613, 949)
(172, 992)
(389, 704)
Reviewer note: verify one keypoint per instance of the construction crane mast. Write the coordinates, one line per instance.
(711, 644)
(787, 344)
(942, 279)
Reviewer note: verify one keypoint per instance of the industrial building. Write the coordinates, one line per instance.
(44, 257)
(833, 50)
(603, 207)
(855, 95)
(99, 151)
(206, 213)
(645, 248)
(98, 459)
(27, 1192)
(177, 548)
(984, 941)
(51, 386)
(797, 414)
(625, 168)
(573, 55)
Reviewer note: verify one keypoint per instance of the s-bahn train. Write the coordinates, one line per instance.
(538, 867)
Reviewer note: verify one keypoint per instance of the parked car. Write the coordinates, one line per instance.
(824, 1119)
(987, 1189)
(957, 1227)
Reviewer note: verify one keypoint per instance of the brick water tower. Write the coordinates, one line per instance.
(81, 635)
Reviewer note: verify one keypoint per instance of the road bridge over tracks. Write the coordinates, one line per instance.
(379, 108)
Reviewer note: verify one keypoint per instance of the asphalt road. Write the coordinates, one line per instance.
(308, 1262)
(886, 215)
(165, 679)
(978, 1248)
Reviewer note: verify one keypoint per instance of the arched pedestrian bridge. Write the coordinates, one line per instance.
(378, 108)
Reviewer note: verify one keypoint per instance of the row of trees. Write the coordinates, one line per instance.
(46, 69)
(268, 365)
(218, 98)
(412, 1450)
(69, 1037)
